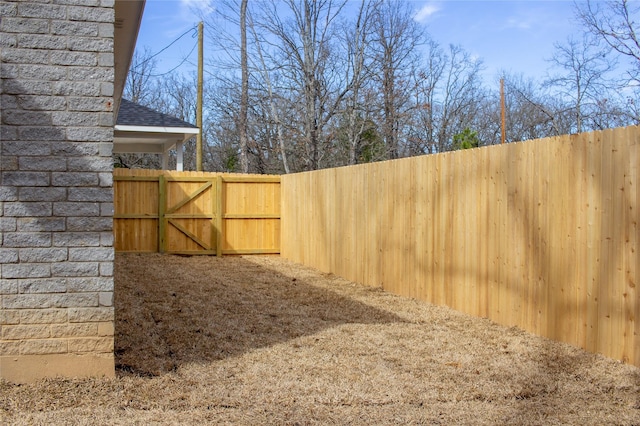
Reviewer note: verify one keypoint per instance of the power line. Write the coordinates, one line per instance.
(172, 69)
(195, 33)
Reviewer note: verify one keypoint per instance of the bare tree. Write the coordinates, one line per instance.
(427, 80)
(304, 50)
(230, 74)
(244, 97)
(583, 79)
(220, 132)
(397, 39)
(448, 97)
(614, 22)
(460, 95)
(273, 115)
(356, 41)
(532, 112)
(140, 86)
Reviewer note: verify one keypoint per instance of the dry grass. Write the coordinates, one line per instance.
(258, 340)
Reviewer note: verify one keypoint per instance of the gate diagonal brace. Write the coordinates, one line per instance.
(189, 234)
(189, 197)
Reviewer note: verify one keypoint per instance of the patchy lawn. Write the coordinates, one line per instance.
(259, 340)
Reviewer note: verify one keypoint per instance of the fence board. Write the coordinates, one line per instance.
(196, 212)
(634, 271)
(542, 235)
(630, 247)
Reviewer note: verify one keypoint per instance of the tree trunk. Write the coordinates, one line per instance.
(244, 97)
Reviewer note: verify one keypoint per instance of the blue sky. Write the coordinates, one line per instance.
(512, 35)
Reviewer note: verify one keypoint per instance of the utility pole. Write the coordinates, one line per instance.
(199, 99)
(503, 130)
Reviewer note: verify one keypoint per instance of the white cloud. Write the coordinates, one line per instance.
(426, 12)
(197, 7)
(518, 24)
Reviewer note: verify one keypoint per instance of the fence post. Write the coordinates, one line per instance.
(162, 206)
(218, 216)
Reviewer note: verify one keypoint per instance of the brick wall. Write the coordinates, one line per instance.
(56, 202)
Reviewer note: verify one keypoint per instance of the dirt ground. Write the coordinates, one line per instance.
(259, 340)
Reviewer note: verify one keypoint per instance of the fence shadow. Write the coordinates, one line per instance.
(175, 310)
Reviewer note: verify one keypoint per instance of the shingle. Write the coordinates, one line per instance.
(132, 114)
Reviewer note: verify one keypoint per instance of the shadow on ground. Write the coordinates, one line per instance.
(172, 310)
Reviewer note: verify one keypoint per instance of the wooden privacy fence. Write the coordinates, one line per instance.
(542, 235)
(196, 213)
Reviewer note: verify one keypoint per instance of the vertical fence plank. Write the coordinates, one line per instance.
(484, 239)
(545, 161)
(218, 212)
(501, 294)
(492, 234)
(286, 215)
(474, 278)
(420, 205)
(430, 229)
(369, 230)
(513, 223)
(408, 273)
(457, 252)
(439, 279)
(580, 207)
(213, 238)
(607, 273)
(332, 239)
(630, 298)
(594, 237)
(571, 285)
(162, 222)
(529, 179)
(359, 203)
(619, 241)
(555, 240)
(623, 237)
(634, 279)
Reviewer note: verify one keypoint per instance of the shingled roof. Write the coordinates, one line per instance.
(140, 129)
(133, 114)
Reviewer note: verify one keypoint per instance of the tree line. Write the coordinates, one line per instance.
(294, 85)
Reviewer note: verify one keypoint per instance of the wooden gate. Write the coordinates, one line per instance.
(189, 214)
(196, 213)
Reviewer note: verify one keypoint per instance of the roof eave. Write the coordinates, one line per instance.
(128, 15)
(156, 129)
